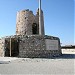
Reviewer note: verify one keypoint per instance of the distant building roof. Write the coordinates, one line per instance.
(68, 47)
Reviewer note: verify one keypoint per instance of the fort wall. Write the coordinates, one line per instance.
(2, 46)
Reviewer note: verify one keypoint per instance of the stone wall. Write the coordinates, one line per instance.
(25, 20)
(35, 46)
(31, 46)
(2, 46)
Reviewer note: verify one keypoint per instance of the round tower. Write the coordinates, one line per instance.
(24, 22)
(28, 24)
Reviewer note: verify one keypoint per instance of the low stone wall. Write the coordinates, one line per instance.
(39, 54)
(35, 46)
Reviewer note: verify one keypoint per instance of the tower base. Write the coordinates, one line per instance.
(39, 46)
(30, 46)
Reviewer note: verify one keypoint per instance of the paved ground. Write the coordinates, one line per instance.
(37, 66)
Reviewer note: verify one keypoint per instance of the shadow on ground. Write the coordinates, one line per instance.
(65, 56)
(62, 56)
(4, 62)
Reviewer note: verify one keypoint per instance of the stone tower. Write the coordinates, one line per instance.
(28, 24)
(30, 39)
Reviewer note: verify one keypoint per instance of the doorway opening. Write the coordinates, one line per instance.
(11, 47)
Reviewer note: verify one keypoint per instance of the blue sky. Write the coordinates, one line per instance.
(58, 17)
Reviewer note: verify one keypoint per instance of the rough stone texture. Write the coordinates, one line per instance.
(35, 46)
(2, 45)
(25, 21)
(32, 46)
(28, 42)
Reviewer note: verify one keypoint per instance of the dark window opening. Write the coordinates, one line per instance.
(34, 28)
(25, 17)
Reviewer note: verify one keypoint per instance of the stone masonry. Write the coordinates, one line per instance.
(2, 46)
(27, 23)
(35, 46)
(29, 46)
(28, 42)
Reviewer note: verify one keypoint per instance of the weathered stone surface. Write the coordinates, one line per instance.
(28, 42)
(25, 21)
(31, 46)
(35, 46)
(2, 45)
